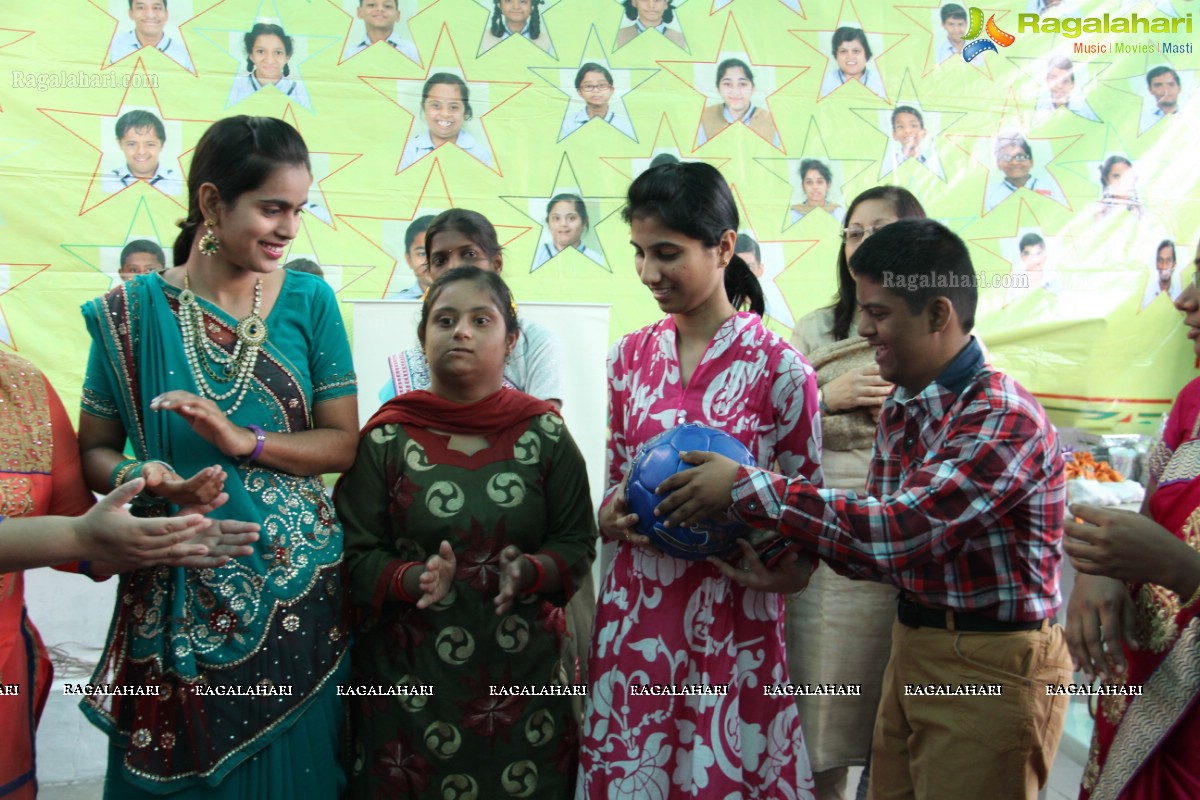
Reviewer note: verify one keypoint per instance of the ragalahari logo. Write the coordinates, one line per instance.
(995, 35)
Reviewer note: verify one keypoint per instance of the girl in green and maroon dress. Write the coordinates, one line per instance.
(468, 526)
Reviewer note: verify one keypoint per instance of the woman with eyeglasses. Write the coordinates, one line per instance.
(839, 631)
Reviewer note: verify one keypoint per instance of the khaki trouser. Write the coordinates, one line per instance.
(936, 747)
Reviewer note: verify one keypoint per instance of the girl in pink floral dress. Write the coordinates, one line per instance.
(662, 621)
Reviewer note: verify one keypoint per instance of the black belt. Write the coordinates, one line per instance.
(915, 615)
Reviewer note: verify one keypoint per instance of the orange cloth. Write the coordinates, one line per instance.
(40, 473)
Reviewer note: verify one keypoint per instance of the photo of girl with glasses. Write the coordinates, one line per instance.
(446, 106)
(515, 18)
(268, 51)
(648, 14)
(594, 84)
(735, 84)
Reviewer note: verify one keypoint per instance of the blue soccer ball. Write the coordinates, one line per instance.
(658, 460)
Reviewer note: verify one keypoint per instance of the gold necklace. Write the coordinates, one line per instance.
(200, 351)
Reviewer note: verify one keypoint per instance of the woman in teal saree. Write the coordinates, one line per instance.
(227, 373)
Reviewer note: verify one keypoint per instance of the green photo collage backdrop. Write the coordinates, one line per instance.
(1077, 285)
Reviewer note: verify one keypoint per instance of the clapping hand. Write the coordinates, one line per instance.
(436, 579)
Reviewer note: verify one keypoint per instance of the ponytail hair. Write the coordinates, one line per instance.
(743, 288)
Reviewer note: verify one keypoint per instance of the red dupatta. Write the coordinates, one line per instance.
(500, 410)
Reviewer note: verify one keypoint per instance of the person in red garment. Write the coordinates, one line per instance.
(1134, 616)
(47, 516)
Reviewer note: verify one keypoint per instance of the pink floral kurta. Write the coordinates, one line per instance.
(664, 621)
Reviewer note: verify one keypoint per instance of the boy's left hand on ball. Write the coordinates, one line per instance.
(703, 492)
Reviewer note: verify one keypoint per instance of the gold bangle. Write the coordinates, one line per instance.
(122, 474)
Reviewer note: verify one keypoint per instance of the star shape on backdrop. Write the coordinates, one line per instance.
(13, 276)
(86, 126)
(665, 143)
(402, 32)
(324, 165)
(1085, 75)
(732, 45)
(488, 6)
(628, 29)
(794, 5)
(10, 36)
(106, 258)
(1135, 84)
(311, 241)
(775, 262)
(1000, 277)
(929, 20)
(576, 117)
(1041, 180)
(175, 49)
(843, 170)
(482, 93)
(231, 42)
(820, 40)
(12, 147)
(386, 234)
(933, 125)
(536, 209)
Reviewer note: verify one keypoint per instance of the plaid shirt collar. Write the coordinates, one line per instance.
(943, 390)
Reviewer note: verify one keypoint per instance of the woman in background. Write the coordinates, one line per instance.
(268, 50)
(735, 84)
(662, 620)
(839, 631)
(469, 526)
(227, 372)
(461, 237)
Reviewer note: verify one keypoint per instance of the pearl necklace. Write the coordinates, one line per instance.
(200, 350)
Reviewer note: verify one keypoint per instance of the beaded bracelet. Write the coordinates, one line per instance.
(121, 471)
(398, 582)
(541, 575)
(261, 436)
